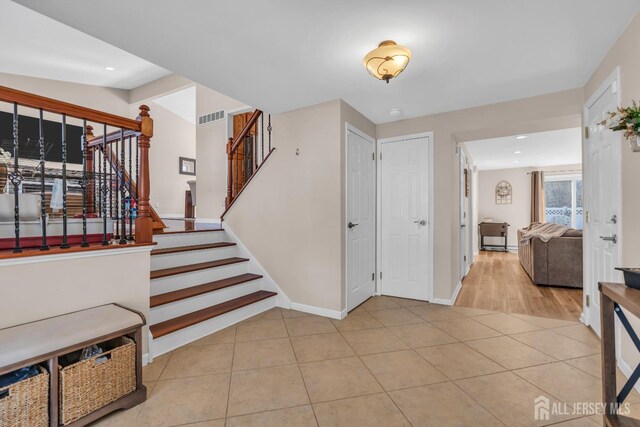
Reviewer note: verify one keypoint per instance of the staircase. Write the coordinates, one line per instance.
(201, 282)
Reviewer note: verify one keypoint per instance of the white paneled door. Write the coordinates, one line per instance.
(361, 219)
(404, 222)
(602, 198)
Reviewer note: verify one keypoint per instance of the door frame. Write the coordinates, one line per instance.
(345, 244)
(465, 250)
(431, 213)
(587, 313)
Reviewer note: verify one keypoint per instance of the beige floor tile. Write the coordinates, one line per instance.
(261, 329)
(442, 404)
(152, 371)
(434, 312)
(356, 322)
(422, 335)
(402, 369)
(263, 354)
(405, 302)
(312, 348)
(337, 379)
(186, 400)
(510, 353)
(287, 314)
(300, 416)
(368, 341)
(579, 332)
(224, 336)
(578, 422)
(265, 389)
(509, 398)
(470, 311)
(544, 322)
(372, 410)
(556, 345)
(506, 323)
(210, 423)
(122, 418)
(272, 314)
(564, 382)
(379, 303)
(199, 360)
(466, 329)
(459, 361)
(309, 325)
(396, 316)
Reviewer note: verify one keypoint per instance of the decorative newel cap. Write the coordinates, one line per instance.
(89, 130)
(144, 111)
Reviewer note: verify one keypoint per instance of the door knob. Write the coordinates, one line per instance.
(351, 225)
(463, 225)
(613, 238)
(421, 222)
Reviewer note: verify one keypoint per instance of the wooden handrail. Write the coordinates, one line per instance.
(30, 100)
(245, 130)
(111, 137)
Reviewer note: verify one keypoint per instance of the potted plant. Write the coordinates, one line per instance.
(626, 119)
(5, 157)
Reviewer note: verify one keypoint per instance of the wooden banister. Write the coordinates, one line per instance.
(245, 130)
(30, 100)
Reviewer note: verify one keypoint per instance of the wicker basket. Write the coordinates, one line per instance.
(86, 386)
(26, 403)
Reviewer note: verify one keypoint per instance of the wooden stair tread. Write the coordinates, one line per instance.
(190, 319)
(195, 267)
(193, 291)
(179, 249)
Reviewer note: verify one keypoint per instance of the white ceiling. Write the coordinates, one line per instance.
(552, 148)
(182, 103)
(284, 54)
(37, 46)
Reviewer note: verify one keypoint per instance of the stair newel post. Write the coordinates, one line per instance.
(90, 191)
(144, 223)
(229, 198)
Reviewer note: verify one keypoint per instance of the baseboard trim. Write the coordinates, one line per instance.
(145, 359)
(453, 298)
(325, 312)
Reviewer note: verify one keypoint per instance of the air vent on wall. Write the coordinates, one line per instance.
(211, 117)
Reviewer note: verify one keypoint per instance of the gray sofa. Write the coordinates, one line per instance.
(557, 262)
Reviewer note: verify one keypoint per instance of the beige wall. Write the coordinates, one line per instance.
(626, 54)
(548, 112)
(45, 286)
(211, 141)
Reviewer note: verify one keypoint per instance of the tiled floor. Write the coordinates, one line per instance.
(391, 362)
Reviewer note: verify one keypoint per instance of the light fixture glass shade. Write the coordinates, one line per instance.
(387, 60)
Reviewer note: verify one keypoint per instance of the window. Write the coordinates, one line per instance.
(563, 200)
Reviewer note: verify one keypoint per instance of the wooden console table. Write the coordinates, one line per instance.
(493, 229)
(47, 340)
(613, 297)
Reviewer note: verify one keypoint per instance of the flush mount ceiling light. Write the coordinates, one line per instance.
(517, 152)
(387, 61)
(521, 136)
(109, 68)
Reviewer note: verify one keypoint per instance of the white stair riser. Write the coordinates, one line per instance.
(194, 278)
(192, 257)
(184, 336)
(189, 305)
(187, 239)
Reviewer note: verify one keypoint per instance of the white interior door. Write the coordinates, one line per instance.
(465, 217)
(405, 215)
(361, 216)
(602, 201)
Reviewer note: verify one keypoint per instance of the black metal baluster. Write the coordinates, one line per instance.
(114, 165)
(262, 138)
(123, 232)
(83, 184)
(105, 240)
(269, 128)
(137, 167)
(65, 243)
(130, 193)
(99, 192)
(16, 178)
(110, 177)
(43, 205)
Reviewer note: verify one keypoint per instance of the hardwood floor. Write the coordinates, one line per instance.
(498, 282)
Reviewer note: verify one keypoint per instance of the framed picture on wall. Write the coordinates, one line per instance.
(187, 166)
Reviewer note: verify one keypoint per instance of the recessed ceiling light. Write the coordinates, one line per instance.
(395, 112)
(516, 161)
(521, 136)
(109, 68)
(517, 152)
